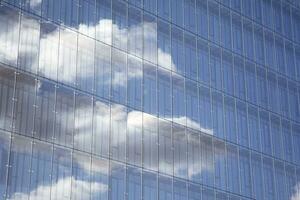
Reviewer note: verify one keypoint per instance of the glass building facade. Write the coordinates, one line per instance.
(150, 99)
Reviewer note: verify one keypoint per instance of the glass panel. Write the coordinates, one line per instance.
(191, 101)
(61, 174)
(69, 13)
(83, 122)
(220, 164)
(248, 38)
(135, 32)
(257, 176)
(163, 9)
(118, 132)
(290, 181)
(150, 189)
(269, 49)
(49, 45)
(165, 188)
(101, 128)
(230, 119)
(205, 107)
(119, 30)
(283, 96)
(190, 15)
(133, 184)
(190, 56)
(268, 173)
(177, 51)
(4, 158)
(104, 21)
(237, 39)
(179, 190)
(67, 57)
(150, 5)
(164, 44)
(259, 45)
(296, 143)
(194, 192)
(180, 151)
(225, 28)
(9, 35)
(239, 74)
(25, 93)
(41, 166)
(276, 136)
(266, 142)
(164, 94)
(119, 74)
(214, 22)
(218, 115)
(253, 126)
(117, 181)
(85, 64)
(279, 180)
(294, 101)
(134, 137)
(203, 62)
(251, 84)
(7, 84)
(51, 10)
(81, 180)
(279, 54)
(194, 156)
(273, 92)
(29, 44)
(228, 78)
(202, 18)
(19, 171)
(233, 183)
(64, 116)
(99, 178)
(262, 87)
(177, 12)
(150, 37)
(150, 89)
(242, 123)
(102, 70)
(208, 194)
(87, 18)
(215, 66)
(150, 142)
(277, 16)
(207, 160)
(178, 101)
(245, 173)
(134, 82)
(287, 140)
(165, 147)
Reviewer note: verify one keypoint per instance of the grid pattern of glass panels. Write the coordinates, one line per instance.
(152, 99)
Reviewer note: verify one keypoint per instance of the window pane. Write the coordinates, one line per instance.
(178, 102)
(214, 22)
(99, 178)
(49, 45)
(135, 32)
(81, 165)
(229, 119)
(218, 114)
(133, 183)
(253, 125)
(4, 158)
(248, 38)
(190, 56)
(134, 82)
(287, 140)
(279, 174)
(150, 38)
(7, 84)
(119, 74)
(207, 160)
(19, 171)
(228, 78)
(87, 18)
(117, 181)
(101, 127)
(118, 132)
(164, 94)
(220, 164)
(177, 12)
(276, 136)
(191, 101)
(9, 22)
(215, 67)
(177, 51)
(251, 83)
(150, 142)
(242, 123)
(226, 28)
(233, 183)
(102, 70)
(150, 189)
(44, 110)
(245, 173)
(202, 18)
(165, 148)
(190, 15)
(194, 156)
(41, 164)
(268, 173)
(237, 38)
(163, 9)
(150, 87)
(61, 174)
(203, 62)
(51, 10)
(119, 30)
(69, 13)
(165, 188)
(164, 44)
(85, 64)
(273, 92)
(257, 176)
(265, 132)
(205, 107)
(64, 116)
(134, 137)
(239, 73)
(104, 21)
(83, 122)
(179, 190)
(180, 151)
(25, 93)
(67, 57)
(194, 192)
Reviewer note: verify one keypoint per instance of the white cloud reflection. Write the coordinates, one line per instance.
(296, 195)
